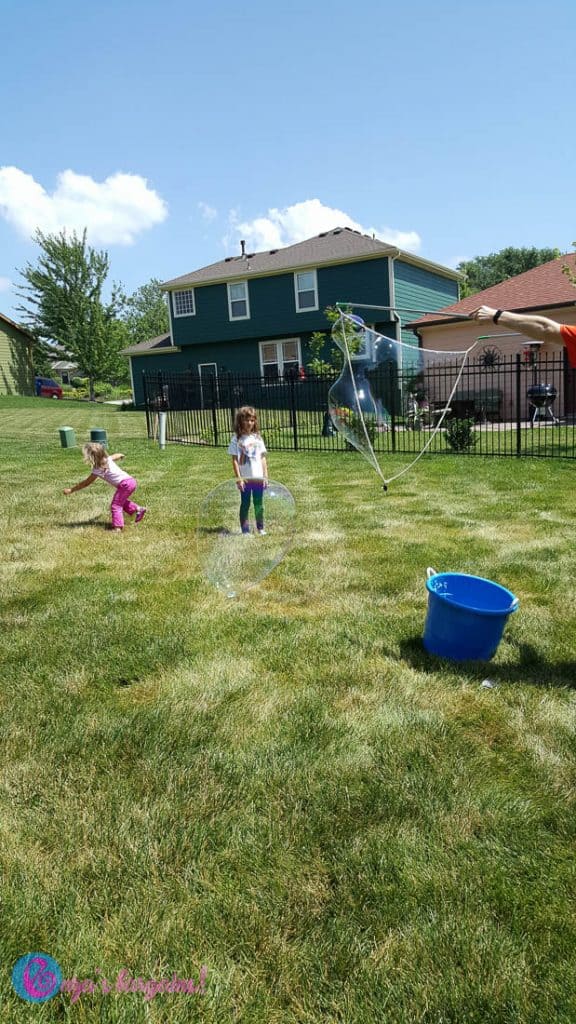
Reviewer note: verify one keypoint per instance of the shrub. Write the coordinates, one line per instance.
(460, 435)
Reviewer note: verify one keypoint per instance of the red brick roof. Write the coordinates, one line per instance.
(542, 287)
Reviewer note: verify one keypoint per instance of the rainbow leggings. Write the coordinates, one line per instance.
(253, 490)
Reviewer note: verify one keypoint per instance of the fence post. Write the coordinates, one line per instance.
(214, 404)
(149, 414)
(518, 401)
(292, 383)
(230, 398)
(393, 399)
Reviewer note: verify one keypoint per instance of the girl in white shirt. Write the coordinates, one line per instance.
(250, 467)
(104, 467)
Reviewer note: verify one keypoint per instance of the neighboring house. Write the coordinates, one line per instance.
(545, 289)
(256, 312)
(16, 364)
(63, 364)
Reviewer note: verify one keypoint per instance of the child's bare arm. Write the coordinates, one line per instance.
(83, 483)
(265, 468)
(116, 456)
(236, 468)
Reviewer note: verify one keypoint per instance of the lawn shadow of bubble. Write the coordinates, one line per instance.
(530, 667)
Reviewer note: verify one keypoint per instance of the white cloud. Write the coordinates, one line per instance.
(113, 211)
(303, 220)
(208, 212)
(5, 284)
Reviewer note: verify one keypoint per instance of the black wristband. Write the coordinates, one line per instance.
(497, 316)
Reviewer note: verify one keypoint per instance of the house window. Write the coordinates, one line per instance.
(184, 303)
(280, 358)
(306, 288)
(238, 305)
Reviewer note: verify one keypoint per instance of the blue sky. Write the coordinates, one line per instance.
(171, 130)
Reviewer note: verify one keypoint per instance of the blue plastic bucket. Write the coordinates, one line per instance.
(466, 615)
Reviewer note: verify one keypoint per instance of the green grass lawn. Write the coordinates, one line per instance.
(285, 789)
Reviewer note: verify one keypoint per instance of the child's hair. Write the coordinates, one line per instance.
(95, 455)
(244, 413)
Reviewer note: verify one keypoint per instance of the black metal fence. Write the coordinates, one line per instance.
(511, 407)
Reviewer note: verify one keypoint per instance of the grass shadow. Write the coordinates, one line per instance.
(100, 523)
(531, 667)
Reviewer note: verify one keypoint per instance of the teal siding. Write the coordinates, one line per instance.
(232, 357)
(210, 337)
(273, 305)
(417, 288)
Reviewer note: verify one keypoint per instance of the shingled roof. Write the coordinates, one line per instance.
(18, 327)
(340, 245)
(544, 287)
(163, 341)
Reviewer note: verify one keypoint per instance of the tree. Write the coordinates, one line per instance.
(145, 313)
(318, 341)
(63, 303)
(569, 271)
(484, 271)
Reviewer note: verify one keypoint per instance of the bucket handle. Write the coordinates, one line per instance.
(430, 572)
(514, 605)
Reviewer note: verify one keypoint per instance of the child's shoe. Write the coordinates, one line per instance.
(140, 514)
(261, 531)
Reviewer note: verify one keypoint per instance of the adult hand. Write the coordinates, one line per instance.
(482, 313)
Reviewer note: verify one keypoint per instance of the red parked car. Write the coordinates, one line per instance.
(45, 387)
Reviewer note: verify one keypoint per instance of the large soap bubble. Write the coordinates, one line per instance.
(234, 561)
(388, 385)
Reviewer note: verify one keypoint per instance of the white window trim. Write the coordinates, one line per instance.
(202, 366)
(280, 361)
(230, 300)
(202, 380)
(177, 291)
(309, 309)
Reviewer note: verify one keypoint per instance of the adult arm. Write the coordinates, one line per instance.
(537, 327)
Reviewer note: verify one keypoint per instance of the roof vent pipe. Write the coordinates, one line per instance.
(243, 247)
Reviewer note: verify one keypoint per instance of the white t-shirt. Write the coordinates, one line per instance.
(112, 474)
(249, 450)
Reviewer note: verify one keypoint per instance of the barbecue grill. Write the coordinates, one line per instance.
(541, 397)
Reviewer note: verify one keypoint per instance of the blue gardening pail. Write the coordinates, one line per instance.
(466, 615)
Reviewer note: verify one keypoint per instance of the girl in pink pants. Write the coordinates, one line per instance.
(104, 466)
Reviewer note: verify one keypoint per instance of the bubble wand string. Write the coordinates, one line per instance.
(402, 309)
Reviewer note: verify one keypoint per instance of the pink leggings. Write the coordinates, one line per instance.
(121, 502)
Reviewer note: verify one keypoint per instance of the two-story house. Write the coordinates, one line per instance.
(255, 312)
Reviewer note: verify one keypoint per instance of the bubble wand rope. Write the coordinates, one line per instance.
(388, 480)
(404, 309)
